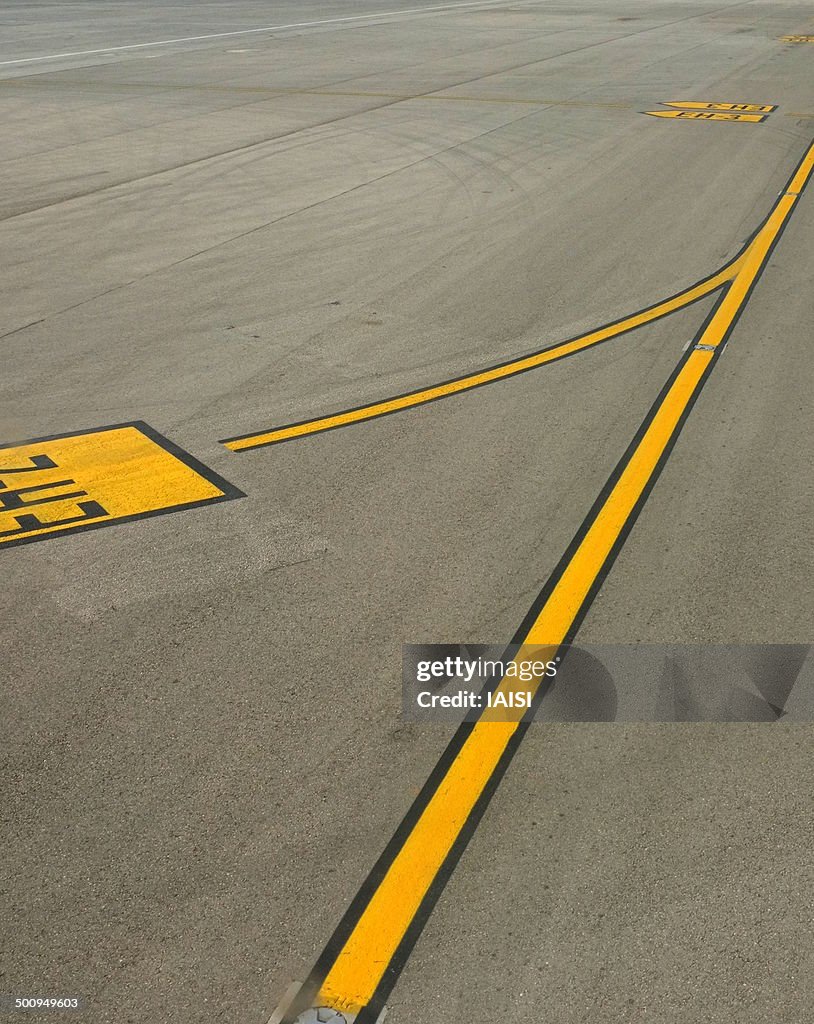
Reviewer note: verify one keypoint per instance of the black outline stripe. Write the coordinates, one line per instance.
(230, 492)
(352, 915)
(489, 369)
(515, 359)
(369, 1013)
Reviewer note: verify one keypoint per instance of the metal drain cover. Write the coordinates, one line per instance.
(321, 1015)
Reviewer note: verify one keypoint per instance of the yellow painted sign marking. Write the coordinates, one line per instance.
(743, 108)
(355, 972)
(706, 115)
(797, 39)
(78, 481)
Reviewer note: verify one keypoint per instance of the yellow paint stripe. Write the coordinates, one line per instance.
(755, 108)
(357, 970)
(576, 581)
(801, 177)
(488, 376)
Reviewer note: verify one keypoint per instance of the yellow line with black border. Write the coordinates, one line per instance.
(489, 375)
(363, 958)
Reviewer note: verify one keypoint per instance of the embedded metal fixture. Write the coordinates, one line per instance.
(321, 1015)
(314, 1014)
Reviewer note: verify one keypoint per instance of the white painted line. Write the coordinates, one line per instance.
(248, 31)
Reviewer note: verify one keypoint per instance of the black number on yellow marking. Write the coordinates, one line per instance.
(706, 115)
(62, 493)
(797, 39)
(112, 474)
(743, 108)
(53, 492)
(36, 462)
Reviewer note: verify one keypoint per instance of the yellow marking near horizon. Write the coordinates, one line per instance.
(94, 478)
(706, 115)
(357, 970)
(743, 108)
(489, 375)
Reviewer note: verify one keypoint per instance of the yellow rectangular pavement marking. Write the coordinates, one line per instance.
(797, 39)
(70, 482)
(358, 968)
(743, 108)
(706, 115)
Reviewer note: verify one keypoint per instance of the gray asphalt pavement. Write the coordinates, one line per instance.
(219, 218)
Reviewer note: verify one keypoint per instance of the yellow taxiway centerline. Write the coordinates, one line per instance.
(356, 970)
(487, 376)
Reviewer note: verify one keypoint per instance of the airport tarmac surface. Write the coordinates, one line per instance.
(219, 220)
